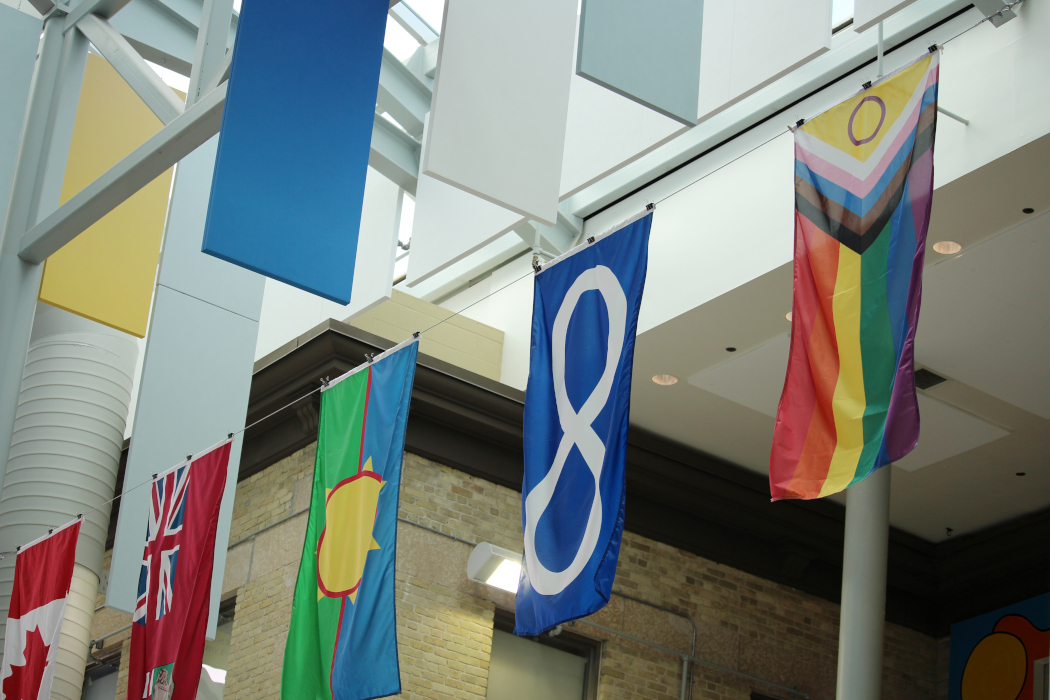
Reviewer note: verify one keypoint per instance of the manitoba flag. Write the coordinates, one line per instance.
(171, 615)
(43, 572)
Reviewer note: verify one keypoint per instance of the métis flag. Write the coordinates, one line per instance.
(342, 642)
(577, 407)
(43, 572)
(171, 614)
(863, 188)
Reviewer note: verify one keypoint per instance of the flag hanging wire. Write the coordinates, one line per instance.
(575, 248)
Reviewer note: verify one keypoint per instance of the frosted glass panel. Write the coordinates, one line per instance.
(521, 669)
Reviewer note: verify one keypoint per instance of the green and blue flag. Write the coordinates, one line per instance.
(342, 642)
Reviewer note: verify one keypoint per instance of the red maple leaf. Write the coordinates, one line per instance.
(24, 681)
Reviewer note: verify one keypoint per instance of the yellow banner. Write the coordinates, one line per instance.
(108, 271)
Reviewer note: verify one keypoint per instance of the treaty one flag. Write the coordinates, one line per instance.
(43, 572)
(171, 615)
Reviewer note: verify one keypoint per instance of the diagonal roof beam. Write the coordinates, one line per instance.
(101, 8)
(160, 98)
(161, 151)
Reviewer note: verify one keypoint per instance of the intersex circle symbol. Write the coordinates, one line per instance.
(882, 118)
(576, 427)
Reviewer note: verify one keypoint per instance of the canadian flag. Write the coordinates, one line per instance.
(43, 572)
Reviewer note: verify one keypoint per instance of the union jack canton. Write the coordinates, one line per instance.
(167, 508)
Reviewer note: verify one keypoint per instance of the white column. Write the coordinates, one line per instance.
(42, 155)
(863, 611)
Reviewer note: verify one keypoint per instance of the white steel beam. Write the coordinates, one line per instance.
(212, 40)
(160, 98)
(100, 8)
(161, 151)
(395, 154)
(402, 94)
(222, 73)
(413, 23)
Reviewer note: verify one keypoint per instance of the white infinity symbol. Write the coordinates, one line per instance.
(576, 428)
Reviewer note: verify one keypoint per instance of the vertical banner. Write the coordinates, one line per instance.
(107, 272)
(342, 642)
(501, 101)
(171, 613)
(289, 179)
(43, 573)
(863, 190)
(577, 410)
(650, 55)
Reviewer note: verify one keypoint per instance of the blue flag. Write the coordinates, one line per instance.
(577, 408)
(342, 641)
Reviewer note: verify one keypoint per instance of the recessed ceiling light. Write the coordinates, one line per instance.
(947, 247)
(730, 349)
(1028, 210)
(1020, 473)
(665, 379)
(788, 316)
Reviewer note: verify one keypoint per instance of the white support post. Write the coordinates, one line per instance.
(212, 36)
(863, 611)
(43, 150)
(866, 546)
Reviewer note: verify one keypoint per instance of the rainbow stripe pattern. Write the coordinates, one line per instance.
(863, 189)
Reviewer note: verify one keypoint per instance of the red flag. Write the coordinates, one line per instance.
(171, 615)
(43, 572)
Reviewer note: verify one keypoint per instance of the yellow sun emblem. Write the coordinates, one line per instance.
(350, 515)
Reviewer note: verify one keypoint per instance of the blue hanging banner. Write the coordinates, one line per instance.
(289, 179)
(577, 409)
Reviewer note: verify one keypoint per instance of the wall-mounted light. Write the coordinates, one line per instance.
(494, 566)
(665, 379)
(788, 316)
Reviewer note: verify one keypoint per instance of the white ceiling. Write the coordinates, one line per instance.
(984, 326)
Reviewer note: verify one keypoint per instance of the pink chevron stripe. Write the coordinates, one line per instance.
(854, 184)
(861, 187)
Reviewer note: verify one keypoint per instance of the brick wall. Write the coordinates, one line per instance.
(445, 622)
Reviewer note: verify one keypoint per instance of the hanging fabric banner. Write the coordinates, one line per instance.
(863, 189)
(342, 641)
(171, 615)
(43, 573)
(289, 181)
(108, 271)
(577, 409)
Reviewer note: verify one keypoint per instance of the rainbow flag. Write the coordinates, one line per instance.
(863, 187)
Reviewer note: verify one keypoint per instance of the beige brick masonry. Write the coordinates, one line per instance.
(445, 622)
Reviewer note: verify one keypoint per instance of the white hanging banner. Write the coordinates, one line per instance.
(747, 44)
(501, 99)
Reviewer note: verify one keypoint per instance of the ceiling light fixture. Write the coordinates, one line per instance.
(1021, 473)
(947, 247)
(665, 379)
(494, 566)
(730, 349)
(1028, 210)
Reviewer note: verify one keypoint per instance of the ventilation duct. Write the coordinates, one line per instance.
(65, 449)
